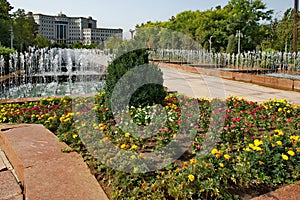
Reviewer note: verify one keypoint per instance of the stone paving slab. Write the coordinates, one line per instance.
(9, 188)
(42, 146)
(68, 178)
(44, 170)
(290, 192)
(2, 165)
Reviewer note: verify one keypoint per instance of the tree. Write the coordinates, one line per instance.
(5, 23)
(284, 32)
(5, 27)
(5, 7)
(41, 41)
(77, 45)
(221, 23)
(24, 29)
(245, 15)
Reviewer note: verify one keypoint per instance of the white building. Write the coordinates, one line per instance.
(69, 30)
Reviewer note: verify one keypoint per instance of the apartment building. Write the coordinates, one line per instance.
(69, 30)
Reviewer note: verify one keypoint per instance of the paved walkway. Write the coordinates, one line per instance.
(197, 85)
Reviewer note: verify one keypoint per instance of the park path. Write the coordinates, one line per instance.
(198, 85)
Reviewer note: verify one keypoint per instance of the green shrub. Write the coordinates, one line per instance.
(5, 52)
(147, 94)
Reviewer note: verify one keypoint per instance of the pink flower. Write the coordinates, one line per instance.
(199, 147)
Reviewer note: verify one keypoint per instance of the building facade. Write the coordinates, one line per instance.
(63, 29)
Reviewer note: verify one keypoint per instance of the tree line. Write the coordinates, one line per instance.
(259, 29)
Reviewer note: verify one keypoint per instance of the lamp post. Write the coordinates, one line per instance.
(295, 41)
(11, 37)
(239, 35)
(210, 43)
(131, 31)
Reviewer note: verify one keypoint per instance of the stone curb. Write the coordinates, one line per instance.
(43, 169)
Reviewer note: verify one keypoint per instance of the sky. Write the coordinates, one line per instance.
(126, 14)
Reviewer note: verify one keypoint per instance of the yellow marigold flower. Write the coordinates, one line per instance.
(280, 132)
(133, 157)
(258, 142)
(257, 149)
(193, 161)
(291, 153)
(61, 119)
(214, 151)
(261, 163)
(279, 109)
(294, 137)
(185, 163)
(123, 146)
(251, 145)
(134, 147)
(279, 143)
(127, 135)
(221, 165)
(191, 177)
(247, 149)
(284, 157)
(74, 136)
(227, 157)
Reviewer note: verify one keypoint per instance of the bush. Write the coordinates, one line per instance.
(5, 52)
(143, 95)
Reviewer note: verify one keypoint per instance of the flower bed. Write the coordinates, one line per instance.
(255, 144)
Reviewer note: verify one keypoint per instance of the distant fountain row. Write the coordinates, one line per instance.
(266, 60)
(49, 72)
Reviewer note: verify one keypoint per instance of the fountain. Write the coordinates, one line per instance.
(52, 72)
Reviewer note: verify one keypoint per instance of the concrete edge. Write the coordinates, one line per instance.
(21, 170)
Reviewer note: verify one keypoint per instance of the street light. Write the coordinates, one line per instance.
(131, 31)
(239, 35)
(11, 37)
(210, 43)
